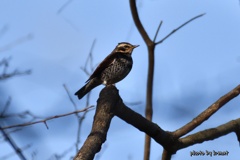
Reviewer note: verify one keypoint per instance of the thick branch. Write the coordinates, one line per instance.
(110, 104)
(207, 113)
(166, 155)
(138, 121)
(103, 116)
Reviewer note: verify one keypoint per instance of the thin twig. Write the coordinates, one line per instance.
(173, 31)
(159, 26)
(69, 96)
(4, 63)
(14, 73)
(7, 156)
(47, 119)
(80, 121)
(77, 116)
(89, 60)
(13, 144)
(22, 115)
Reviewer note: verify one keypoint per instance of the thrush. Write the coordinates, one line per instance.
(111, 70)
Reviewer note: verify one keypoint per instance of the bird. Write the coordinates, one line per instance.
(111, 70)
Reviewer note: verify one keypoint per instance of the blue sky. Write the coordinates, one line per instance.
(193, 68)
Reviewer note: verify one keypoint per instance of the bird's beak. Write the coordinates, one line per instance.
(135, 46)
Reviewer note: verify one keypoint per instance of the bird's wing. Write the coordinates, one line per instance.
(104, 64)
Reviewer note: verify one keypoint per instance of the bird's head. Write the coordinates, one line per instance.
(125, 48)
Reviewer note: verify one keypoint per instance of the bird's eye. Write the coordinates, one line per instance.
(122, 48)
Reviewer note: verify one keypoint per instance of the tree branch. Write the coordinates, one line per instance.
(103, 115)
(110, 104)
(4, 63)
(151, 46)
(138, 23)
(173, 31)
(47, 119)
(207, 113)
(209, 134)
(156, 34)
(138, 121)
(13, 144)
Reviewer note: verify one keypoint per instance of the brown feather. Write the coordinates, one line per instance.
(104, 64)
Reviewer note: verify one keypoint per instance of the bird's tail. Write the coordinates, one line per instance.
(87, 87)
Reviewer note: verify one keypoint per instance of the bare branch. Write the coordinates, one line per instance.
(14, 73)
(138, 23)
(101, 123)
(179, 28)
(79, 118)
(22, 115)
(151, 45)
(207, 113)
(13, 153)
(47, 119)
(159, 26)
(110, 103)
(4, 75)
(80, 121)
(209, 134)
(89, 60)
(69, 96)
(131, 28)
(13, 144)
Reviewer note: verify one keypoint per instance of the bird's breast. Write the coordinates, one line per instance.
(118, 70)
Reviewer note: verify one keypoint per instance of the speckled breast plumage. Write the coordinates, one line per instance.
(119, 69)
